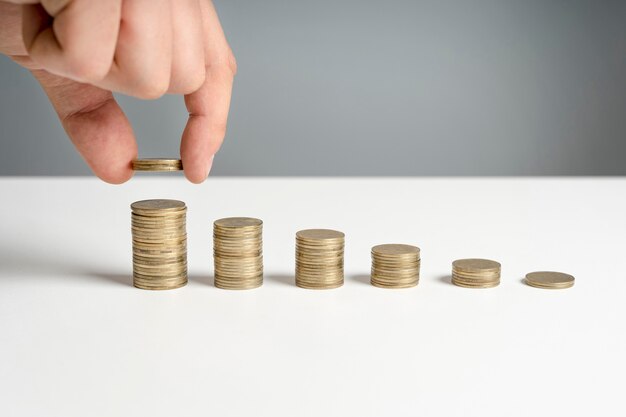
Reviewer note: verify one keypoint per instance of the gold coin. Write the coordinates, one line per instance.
(156, 164)
(549, 280)
(475, 265)
(159, 243)
(159, 288)
(476, 273)
(238, 223)
(162, 207)
(486, 285)
(319, 258)
(322, 286)
(238, 286)
(395, 285)
(238, 253)
(394, 250)
(319, 234)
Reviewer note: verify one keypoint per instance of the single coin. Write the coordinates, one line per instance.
(157, 164)
(407, 263)
(238, 222)
(475, 265)
(395, 250)
(318, 286)
(394, 285)
(320, 234)
(465, 285)
(549, 280)
(158, 206)
(321, 246)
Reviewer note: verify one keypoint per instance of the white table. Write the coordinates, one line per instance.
(76, 339)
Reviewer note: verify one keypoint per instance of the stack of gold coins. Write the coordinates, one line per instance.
(476, 273)
(157, 165)
(319, 259)
(238, 253)
(395, 266)
(159, 244)
(549, 280)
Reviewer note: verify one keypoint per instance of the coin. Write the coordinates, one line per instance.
(394, 250)
(319, 236)
(549, 280)
(476, 273)
(395, 266)
(159, 207)
(319, 258)
(238, 224)
(157, 165)
(238, 253)
(159, 238)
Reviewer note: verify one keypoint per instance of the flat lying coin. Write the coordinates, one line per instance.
(157, 207)
(476, 265)
(157, 165)
(549, 280)
(320, 234)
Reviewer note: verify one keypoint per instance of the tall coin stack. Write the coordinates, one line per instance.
(476, 273)
(319, 258)
(159, 244)
(395, 266)
(238, 253)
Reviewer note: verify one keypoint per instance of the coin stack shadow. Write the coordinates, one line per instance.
(476, 273)
(395, 266)
(238, 253)
(319, 258)
(159, 244)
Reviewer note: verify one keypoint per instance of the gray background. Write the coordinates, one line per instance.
(385, 88)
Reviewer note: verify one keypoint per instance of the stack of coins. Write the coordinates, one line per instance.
(549, 280)
(475, 273)
(319, 259)
(159, 244)
(156, 165)
(238, 253)
(395, 266)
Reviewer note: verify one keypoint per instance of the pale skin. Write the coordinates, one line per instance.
(81, 51)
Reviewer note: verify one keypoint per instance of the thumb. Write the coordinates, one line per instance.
(96, 125)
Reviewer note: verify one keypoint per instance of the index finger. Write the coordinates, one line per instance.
(208, 106)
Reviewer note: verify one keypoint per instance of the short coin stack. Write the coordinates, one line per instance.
(159, 244)
(476, 273)
(238, 253)
(157, 165)
(395, 266)
(319, 258)
(549, 280)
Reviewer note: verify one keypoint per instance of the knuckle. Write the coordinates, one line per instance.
(219, 130)
(194, 80)
(151, 88)
(85, 68)
(223, 65)
(232, 63)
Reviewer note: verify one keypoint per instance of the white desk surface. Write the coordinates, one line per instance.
(76, 339)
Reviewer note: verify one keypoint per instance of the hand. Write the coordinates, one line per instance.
(82, 50)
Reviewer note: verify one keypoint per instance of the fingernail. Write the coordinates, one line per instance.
(209, 165)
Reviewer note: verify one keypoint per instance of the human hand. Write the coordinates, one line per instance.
(81, 51)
